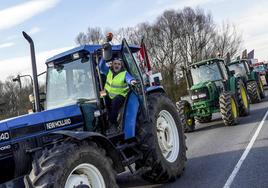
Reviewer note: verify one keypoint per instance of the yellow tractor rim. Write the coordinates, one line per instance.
(189, 121)
(234, 109)
(261, 86)
(244, 96)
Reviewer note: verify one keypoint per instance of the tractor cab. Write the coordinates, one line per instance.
(251, 79)
(212, 88)
(74, 77)
(206, 74)
(241, 69)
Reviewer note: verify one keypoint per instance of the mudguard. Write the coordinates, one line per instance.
(232, 84)
(153, 89)
(100, 140)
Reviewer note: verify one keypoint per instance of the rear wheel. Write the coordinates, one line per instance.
(253, 91)
(228, 109)
(205, 119)
(162, 141)
(69, 165)
(185, 110)
(242, 98)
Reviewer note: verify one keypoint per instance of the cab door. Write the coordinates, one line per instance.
(136, 98)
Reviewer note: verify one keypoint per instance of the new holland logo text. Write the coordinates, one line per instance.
(59, 123)
(4, 136)
(2, 148)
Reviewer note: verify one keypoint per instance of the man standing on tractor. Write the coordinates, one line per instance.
(117, 80)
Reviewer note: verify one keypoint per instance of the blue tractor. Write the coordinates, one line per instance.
(65, 144)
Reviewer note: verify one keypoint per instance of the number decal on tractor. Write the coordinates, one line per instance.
(2, 148)
(4, 136)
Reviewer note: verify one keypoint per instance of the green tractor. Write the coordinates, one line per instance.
(212, 88)
(251, 79)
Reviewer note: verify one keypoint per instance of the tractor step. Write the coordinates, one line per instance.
(125, 146)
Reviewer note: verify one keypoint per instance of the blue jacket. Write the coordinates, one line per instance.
(104, 69)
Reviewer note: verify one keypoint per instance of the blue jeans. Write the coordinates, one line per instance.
(114, 105)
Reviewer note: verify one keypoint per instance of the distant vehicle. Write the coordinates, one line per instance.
(262, 69)
(212, 88)
(243, 70)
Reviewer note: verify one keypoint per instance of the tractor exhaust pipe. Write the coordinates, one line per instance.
(35, 79)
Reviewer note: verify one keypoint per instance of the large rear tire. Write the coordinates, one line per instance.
(253, 92)
(242, 98)
(68, 165)
(185, 110)
(162, 141)
(228, 109)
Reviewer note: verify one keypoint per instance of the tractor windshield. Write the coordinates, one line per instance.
(205, 72)
(239, 69)
(69, 83)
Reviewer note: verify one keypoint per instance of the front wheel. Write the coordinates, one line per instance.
(242, 98)
(162, 141)
(261, 88)
(228, 109)
(69, 165)
(253, 91)
(185, 113)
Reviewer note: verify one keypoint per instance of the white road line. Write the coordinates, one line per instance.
(244, 155)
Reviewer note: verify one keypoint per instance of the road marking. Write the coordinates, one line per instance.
(244, 155)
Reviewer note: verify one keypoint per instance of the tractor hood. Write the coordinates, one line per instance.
(199, 85)
(30, 125)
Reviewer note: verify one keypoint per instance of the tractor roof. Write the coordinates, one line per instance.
(90, 49)
(237, 61)
(207, 60)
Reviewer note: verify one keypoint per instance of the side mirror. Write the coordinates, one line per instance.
(107, 47)
(107, 51)
(232, 72)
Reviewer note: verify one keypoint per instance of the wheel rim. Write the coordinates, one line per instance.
(168, 137)
(233, 106)
(261, 85)
(244, 96)
(87, 175)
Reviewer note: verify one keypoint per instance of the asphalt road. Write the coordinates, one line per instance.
(214, 151)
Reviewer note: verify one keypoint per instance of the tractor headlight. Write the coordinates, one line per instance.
(194, 97)
(202, 95)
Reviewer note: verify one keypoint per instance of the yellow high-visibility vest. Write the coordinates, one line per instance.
(116, 85)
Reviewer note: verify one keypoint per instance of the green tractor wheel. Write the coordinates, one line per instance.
(228, 108)
(205, 119)
(261, 88)
(242, 98)
(185, 110)
(253, 91)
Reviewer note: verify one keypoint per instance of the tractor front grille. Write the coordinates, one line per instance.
(198, 93)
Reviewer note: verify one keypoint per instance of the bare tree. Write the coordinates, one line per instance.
(176, 38)
(195, 34)
(227, 40)
(93, 36)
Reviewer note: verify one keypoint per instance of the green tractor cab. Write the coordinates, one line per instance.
(212, 88)
(251, 79)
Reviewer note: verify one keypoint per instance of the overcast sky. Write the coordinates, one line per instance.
(53, 24)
